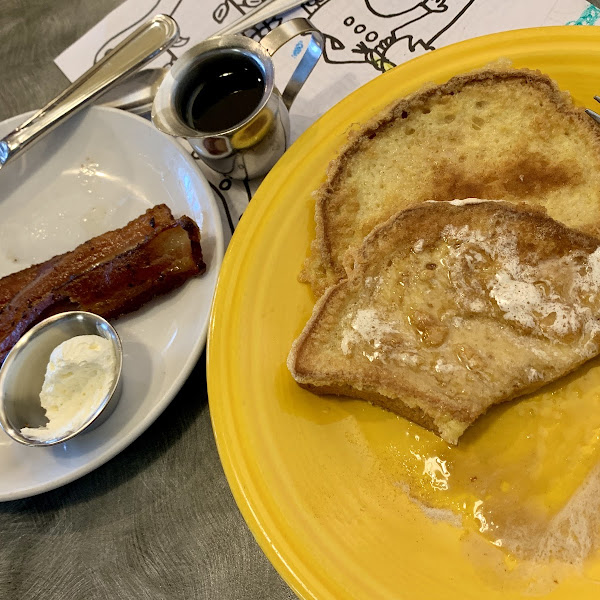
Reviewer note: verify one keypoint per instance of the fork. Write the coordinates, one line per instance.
(593, 114)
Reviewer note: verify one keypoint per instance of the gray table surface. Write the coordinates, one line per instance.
(158, 521)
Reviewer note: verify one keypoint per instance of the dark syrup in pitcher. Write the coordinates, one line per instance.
(222, 91)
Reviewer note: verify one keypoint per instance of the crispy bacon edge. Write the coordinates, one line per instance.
(93, 276)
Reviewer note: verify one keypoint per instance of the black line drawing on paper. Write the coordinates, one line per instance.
(223, 186)
(217, 191)
(241, 6)
(365, 31)
(167, 7)
(256, 32)
(371, 31)
(259, 31)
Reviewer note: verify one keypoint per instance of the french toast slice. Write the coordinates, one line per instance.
(494, 133)
(452, 307)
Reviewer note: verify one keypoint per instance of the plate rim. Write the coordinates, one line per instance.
(297, 575)
(194, 356)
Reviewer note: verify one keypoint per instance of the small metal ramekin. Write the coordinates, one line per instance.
(23, 371)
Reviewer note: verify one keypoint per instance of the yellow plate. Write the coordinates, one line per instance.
(316, 478)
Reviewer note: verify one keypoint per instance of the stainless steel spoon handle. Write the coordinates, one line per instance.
(135, 51)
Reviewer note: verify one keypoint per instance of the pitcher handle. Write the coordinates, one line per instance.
(283, 34)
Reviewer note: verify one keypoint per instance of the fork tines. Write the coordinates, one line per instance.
(593, 114)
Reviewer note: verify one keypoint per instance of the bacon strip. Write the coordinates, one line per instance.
(95, 250)
(110, 275)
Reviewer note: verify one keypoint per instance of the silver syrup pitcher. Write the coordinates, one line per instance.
(240, 132)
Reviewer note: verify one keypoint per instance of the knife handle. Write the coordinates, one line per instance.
(140, 47)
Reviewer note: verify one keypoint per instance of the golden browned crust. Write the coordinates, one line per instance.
(394, 405)
(543, 236)
(448, 404)
(523, 176)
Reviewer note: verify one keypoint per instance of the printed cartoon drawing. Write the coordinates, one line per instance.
(242, 7)
(259, 31)
(233, 194)
(374, 31)
(588, 17)
(239, 6)
(166, 7)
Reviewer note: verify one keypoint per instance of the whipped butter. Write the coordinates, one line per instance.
(79, 374)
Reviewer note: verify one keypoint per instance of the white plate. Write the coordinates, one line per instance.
(92, 174)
